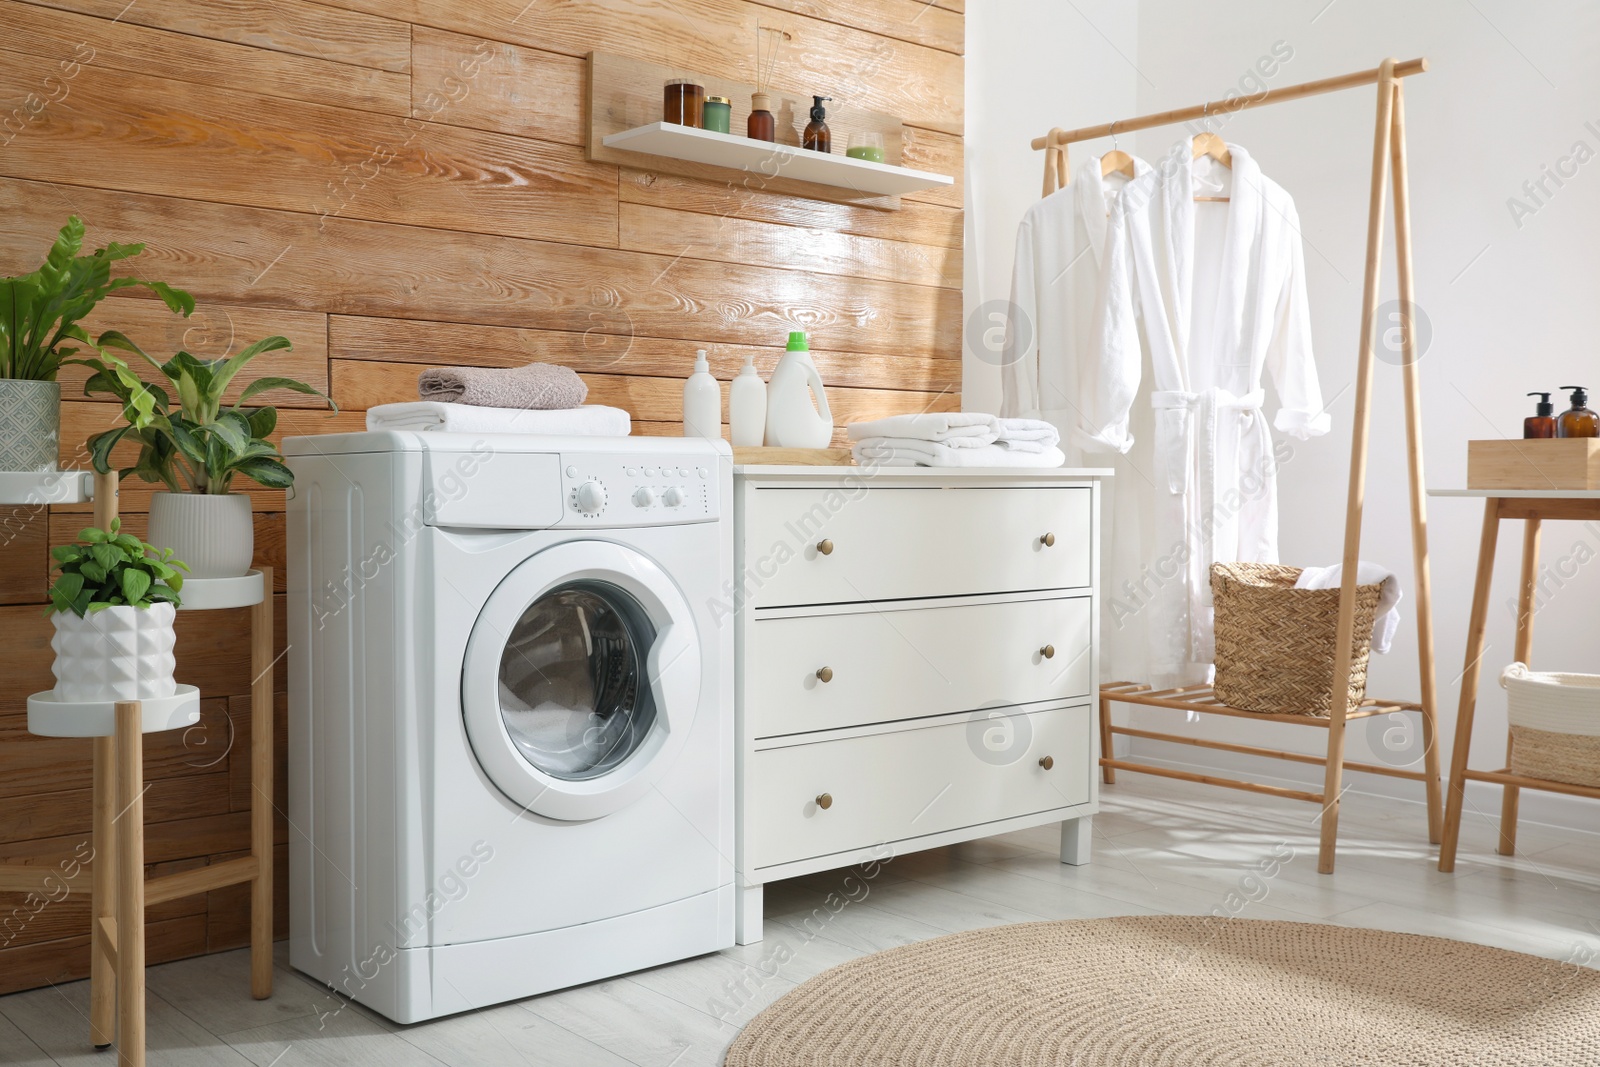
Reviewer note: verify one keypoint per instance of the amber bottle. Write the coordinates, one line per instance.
(1578, 420)
(818, 137)
(1542, 423)
(761, 126)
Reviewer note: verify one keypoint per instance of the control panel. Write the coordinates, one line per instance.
(637, 490)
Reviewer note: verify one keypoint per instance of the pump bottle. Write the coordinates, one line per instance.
(818, 137)
(1578, 420)
(1541, 424)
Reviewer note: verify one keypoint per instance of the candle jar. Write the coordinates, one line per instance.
(682, 101)
(717, 115)
(865, 144)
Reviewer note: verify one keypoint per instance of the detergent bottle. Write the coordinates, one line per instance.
(797, 406)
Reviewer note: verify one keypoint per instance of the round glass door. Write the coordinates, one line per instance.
(574, 696)
(581, 679)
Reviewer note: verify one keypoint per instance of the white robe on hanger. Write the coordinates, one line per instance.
(1076, 302)
(1232, 306)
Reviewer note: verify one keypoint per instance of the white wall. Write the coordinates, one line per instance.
(1031, 65)
(1512, 88)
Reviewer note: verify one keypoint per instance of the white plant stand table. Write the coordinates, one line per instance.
(118, 887)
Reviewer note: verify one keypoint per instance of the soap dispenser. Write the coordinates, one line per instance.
(747, 406)
(1541, 424)
(702, 401)
(797, 407)
(818, 137)
(1578, 420)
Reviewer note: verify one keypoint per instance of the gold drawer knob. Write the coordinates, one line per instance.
(825, 546)
(1048, 540)
(1048, 651)
(825, 801)
(1047, 762)
(825, 674)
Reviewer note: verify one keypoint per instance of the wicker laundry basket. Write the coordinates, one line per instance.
(1275, 643)
(1555, 724)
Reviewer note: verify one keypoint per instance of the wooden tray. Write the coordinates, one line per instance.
(755, 455)
(1561, 463)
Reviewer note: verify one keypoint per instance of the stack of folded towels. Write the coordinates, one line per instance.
(956, 439)
(541, 398)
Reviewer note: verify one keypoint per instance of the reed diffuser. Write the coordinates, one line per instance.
(761, 125)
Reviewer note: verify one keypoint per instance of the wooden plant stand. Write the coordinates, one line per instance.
(1532, 507)
(118, 887)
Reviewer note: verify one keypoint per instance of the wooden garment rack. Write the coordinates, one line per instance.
(1388, 165)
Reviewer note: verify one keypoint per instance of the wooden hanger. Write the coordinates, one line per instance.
(1116, 161)
(1207, 143)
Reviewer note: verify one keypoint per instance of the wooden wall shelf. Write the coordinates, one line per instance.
(774, 160)
(624, 128)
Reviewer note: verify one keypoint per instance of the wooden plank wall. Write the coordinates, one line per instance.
(396, 183)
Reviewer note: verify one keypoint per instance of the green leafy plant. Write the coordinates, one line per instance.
(107, 570)
(40, 312)
(200, 445)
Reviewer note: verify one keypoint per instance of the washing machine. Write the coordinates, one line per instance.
(510, 712)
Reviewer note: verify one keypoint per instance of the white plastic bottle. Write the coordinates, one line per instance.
(747, 406)
(797, 406)
(702, 401)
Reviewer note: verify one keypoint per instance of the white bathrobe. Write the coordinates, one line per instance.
(1232, 305)
(1076, 301)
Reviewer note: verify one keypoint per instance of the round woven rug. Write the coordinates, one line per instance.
(1170, 990)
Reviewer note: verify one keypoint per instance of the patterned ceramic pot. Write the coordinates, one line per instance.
(212, 534)
(120, 653)
(30, 425)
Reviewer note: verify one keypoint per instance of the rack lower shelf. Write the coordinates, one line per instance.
(1201, 699)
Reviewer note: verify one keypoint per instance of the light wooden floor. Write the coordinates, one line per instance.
(1159, 847)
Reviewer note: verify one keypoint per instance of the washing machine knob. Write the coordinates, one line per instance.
(591, 497)
(644, 496)
(673, 497)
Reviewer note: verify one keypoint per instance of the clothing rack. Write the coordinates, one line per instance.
(1388, 165)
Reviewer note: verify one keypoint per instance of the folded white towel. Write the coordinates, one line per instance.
(590, 420)
(1027, 430)
(901, 452)
(927, 426)
(1012, 445)
(1386, 619)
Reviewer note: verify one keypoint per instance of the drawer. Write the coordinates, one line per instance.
(887, 665)
(889, 543)
(907, 783)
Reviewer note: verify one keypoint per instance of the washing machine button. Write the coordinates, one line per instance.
(701, 471)
(673, 497)
(644, 496)
(590, 497)
(572, 472)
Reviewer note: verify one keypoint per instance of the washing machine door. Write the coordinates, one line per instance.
(581, 679)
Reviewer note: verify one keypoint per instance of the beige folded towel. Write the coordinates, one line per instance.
(541, 386)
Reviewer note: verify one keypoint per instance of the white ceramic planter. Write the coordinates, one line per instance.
(30, 425)
(212, 534)
(120, 653)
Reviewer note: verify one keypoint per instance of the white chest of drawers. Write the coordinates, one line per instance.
(915, 663)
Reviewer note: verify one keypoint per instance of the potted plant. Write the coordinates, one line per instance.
(195, 449)
(113, 605)
(40, 314)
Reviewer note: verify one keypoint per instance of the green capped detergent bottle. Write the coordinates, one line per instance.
(797, 406)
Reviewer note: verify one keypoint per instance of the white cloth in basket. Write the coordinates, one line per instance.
(1386, 619)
